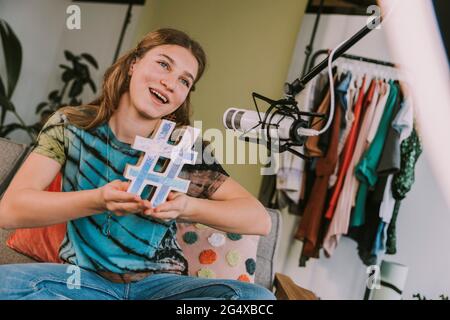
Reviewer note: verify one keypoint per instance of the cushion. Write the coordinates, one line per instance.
(41, 244)
(212, 253)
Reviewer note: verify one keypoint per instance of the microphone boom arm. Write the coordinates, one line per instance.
(288, 107)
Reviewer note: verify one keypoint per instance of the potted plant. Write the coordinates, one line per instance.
(12, 52)
(75, 76)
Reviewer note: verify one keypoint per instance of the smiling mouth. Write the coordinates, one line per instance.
(159, 96)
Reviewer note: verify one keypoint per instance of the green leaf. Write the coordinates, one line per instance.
(92, 85)
(65, 67)
(2, 109)
(90, 59)
(78, 68)
(53, 95)
(75, 102)
(2, 116)
(67, 75)
(69, 55)
(10, 128)
(84, 73)
(12, 51)
(5, 103)
(6, 106)
(2, 88)
(75, 89)
(41, 106)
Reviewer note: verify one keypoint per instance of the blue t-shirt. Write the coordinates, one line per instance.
(124, 244)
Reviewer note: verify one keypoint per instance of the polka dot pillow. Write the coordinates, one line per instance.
(212, 253)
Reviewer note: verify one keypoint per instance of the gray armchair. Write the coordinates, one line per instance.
(13, 154)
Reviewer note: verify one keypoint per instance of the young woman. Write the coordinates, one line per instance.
(124, 248)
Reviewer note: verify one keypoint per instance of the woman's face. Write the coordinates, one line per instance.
(161, 80)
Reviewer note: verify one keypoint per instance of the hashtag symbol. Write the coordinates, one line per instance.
(144, 173)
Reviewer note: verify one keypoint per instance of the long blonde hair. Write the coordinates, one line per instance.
(116, 81)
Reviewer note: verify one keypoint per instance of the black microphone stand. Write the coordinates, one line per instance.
(124, 27)
(287, 107)
(292, 89)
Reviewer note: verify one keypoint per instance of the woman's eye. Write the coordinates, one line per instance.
(185, 82)
(163, 64)
(167, 67)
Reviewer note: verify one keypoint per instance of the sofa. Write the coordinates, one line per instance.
(12, 154)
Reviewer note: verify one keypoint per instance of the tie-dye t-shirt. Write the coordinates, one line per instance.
(125, 244)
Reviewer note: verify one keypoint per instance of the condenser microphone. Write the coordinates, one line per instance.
(251, 124)
(282, 127)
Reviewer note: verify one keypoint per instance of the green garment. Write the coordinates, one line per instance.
(366, 170)
(402, 182)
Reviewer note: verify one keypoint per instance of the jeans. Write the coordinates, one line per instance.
(45, 281)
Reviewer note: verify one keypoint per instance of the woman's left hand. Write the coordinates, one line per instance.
(174, 207)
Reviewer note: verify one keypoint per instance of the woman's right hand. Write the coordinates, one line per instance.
(116, 199)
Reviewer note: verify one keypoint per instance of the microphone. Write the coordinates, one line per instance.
(281, 127)
(249, 122)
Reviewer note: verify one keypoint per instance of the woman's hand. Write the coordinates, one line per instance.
(176, 206)
(115, 198)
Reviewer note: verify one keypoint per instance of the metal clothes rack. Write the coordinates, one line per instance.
(349, 56)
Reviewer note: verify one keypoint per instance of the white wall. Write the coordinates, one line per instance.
(424, 220)
(40, 25)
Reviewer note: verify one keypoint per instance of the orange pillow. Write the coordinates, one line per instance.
(40, 244)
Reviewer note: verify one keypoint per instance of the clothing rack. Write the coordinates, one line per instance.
(350, 56)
